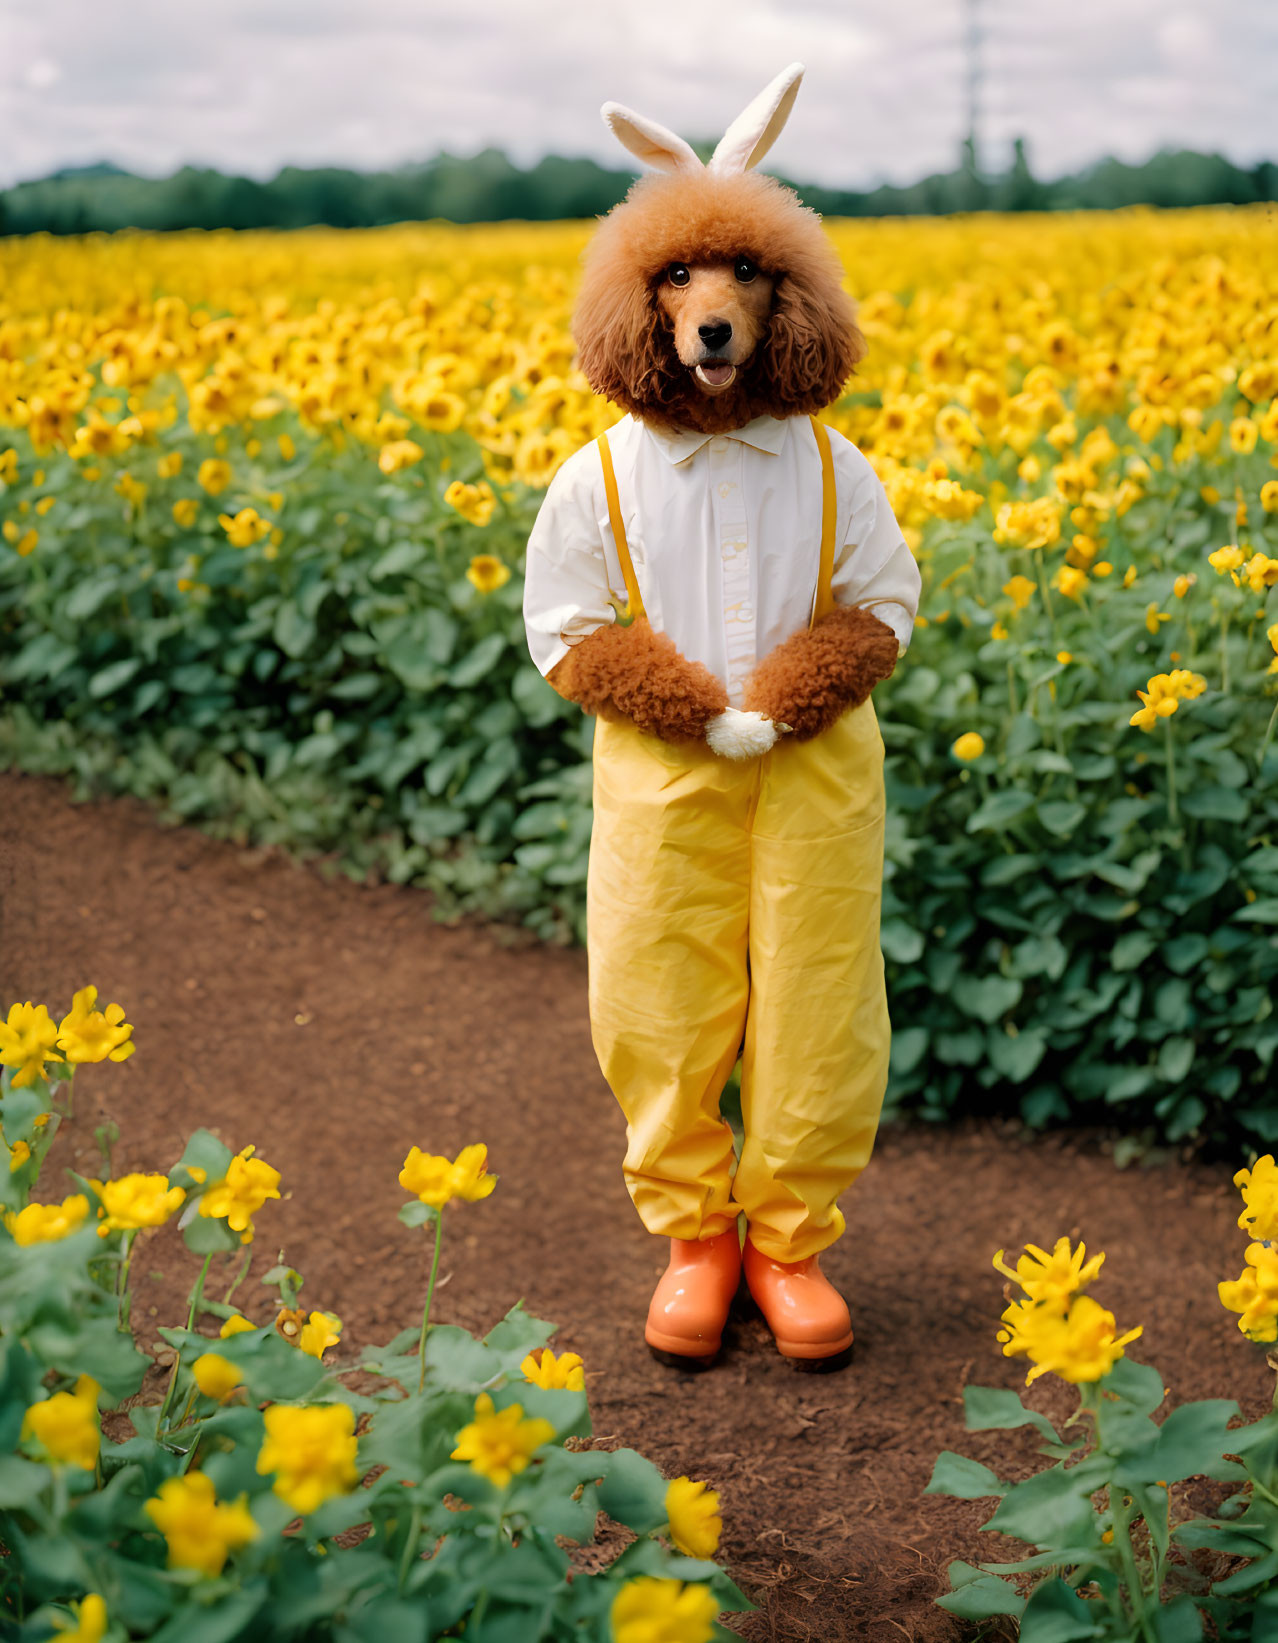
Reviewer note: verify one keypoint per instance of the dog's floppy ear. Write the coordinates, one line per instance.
(758, 126)
(650, 141)
(813, 341)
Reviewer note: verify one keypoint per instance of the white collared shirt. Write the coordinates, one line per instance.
(724, 533)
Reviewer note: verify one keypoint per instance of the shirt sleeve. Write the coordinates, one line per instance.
(566, 589)
(873, 567)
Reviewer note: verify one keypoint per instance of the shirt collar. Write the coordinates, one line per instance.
(764, 433)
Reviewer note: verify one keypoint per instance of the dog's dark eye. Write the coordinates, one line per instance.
(745, 270)
(678, 274)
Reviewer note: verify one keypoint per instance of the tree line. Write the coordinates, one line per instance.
(488, 187)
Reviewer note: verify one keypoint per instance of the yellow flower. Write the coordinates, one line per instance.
(45, 504)
(500, 1444)
(311, 1451)
(693, 1513)
(1053, 1277)
(244, 528)
(136, 1201)
(1020, 590)
(46, 1223)
(216, 1376)
(1070, 581)
(1226, 559)
(1255, 1295)
(1102, 567)
(1129, 576)
(66, 1425)
(487, 573)
(1035, 524)
(19, 1153)
(185, 512)
(90, 1621)
(1259, 1188)
(1242, 435)
(566, 1370)
(170, 466)
(1261, 572)
(1154, 618)
(1182, 585)
(1269, 496)
(1064, 657)
(400, 453)
(287, 448)
(969, 746)
(998, 631)
(132, 490)
(214, 475)
(1078, 1343)
(9, 466)
(437, 1182)
(474, 502)
(201, 1531)
(241, 1192)
(651, 1610)
(319, 1334)
(87, 1034)
(26, 1042)
(235, 1326)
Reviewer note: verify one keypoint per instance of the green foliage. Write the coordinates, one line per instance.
(1112, 1551)
(441, 1548)
(488, 187)
(1061, 940)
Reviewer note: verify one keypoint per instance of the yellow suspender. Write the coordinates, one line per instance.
(824, 597)
(634, 605)
(829, 509)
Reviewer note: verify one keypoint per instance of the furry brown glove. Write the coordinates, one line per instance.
(816, 675)
(634, 673)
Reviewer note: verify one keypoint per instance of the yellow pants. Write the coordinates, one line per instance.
(730, 901)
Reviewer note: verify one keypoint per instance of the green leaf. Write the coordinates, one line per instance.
(633, 1491)
(981, 1598)
(418, 1214)
(1052, 1507)
(1215, 804)
(1016, 1056)
(293, 632)
(965, 1479)
(1056, 1614)
(996, 1409)
(988, 998)
(109, 679)
(1258, 912)
(1191, 1442)
(1132, 950)
(1178, 1621)
(999, 810)
(471, 669)
(900, 941)
(1061, 816)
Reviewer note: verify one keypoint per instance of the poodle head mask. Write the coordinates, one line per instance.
(711, 295)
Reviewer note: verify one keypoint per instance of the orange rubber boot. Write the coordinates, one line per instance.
(690, 1304)
(807, 1316)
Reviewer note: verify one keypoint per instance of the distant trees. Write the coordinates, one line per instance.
(488, 187)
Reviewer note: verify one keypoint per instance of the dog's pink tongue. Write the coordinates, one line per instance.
(716, 375)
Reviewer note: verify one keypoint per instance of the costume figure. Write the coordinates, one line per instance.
(736, 860)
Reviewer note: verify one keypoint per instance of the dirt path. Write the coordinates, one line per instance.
(334, 1026)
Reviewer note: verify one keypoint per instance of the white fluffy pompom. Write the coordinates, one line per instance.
(737, 735)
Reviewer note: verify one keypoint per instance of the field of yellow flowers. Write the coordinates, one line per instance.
(264, 501)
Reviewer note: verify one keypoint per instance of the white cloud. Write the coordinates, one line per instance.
(250, 85)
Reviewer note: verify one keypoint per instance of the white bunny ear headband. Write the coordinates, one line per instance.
(744, 144)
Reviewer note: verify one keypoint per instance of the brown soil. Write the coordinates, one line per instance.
(334, 1025)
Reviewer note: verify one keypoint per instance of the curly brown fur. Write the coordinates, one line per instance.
(636, 673)
(817, 674)
(625, 342)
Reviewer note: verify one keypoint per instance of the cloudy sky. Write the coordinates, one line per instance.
(250, 85)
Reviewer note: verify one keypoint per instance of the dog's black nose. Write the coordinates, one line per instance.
(716, 335)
